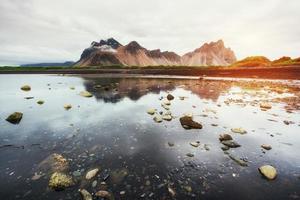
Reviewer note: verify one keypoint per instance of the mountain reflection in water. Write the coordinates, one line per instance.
(139, 158)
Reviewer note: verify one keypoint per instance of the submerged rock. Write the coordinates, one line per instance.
(104, 194)
(151, 111)
(40, 102)
(190, 155)
(171, 191)
(170, 97)
(266, 146)
(90, 174)
(85, 195)
(188, 123)
(60, 181)
(171, 144)
(195, 144)
(182, 98)
(26, 88)
(268, 172)
(224, 137)
(118, 175)
(230, 143)
(167, 117)
(85, 94)
(15, 117)
(158, 119)
(238, 161)
(54, 163)
(239, 130)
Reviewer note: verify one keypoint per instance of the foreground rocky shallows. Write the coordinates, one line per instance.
(147, 138)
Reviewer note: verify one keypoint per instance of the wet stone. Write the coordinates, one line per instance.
(85, 94)
(85, 195)
(225, 137)
(239, 130)
(190, 155)
(158, 119)
(195, 144)
(151, 111)
(268, 171)
(171, 144)
(60, 181)
(167, 117)
(170, 97)
(103, 194)
(188, 123)
(91, 174)
(40, 102)
(26, 88)
(266, 146)
(15, 117)
(238, 161)
(67, 106)
(265, 105)
(231, 143)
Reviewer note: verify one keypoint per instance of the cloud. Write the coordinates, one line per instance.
(58, 30)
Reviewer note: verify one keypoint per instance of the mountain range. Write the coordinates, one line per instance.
(112, 53)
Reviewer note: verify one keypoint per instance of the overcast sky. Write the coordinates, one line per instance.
(58, 30)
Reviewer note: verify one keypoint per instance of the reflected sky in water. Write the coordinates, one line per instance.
(113, 131)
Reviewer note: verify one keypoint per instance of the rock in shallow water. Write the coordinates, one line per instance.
(104, 194)
(195, 144)
(167, 117)
(54, 163)
(67, 106)
(265, 106)
(238, 161)
(85, 195)
(158, 119)
(85, 94)
(188, 123)
(239, 130)
(151, 111)
(266, 146)
(60, 181)
(224, 137)
(15, 117)
(40, 102)
(26, 88)
(90, 174)
(231, 143)
(268, 172)
(170, 97)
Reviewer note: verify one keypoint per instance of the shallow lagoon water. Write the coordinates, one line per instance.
(113, 131)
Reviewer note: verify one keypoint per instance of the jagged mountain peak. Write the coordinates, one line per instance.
(133, 47)
(109, 42)
(133, 54)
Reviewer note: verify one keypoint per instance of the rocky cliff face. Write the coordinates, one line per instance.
(214, 53)
(110, 52)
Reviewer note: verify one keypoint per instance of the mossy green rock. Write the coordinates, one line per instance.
(60, 181)
(15, 117)
(26, 88)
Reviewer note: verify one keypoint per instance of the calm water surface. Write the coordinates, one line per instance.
(113, 131)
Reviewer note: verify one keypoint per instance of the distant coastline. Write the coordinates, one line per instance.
(273, 72)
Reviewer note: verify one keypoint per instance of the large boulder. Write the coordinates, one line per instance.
(188, 123)
(15, 117)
